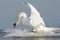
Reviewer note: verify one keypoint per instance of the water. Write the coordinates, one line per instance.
(15, 38)
(25, 38)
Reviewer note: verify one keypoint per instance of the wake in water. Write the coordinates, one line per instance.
(25, 33)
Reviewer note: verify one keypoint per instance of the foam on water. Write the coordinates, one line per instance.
(25, 33)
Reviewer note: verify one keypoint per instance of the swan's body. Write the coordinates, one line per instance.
(35, 21)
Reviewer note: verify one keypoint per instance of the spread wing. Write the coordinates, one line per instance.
(35, 18)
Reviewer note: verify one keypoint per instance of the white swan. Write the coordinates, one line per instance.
(35, 21)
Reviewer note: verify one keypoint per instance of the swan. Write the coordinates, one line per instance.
(35, 21)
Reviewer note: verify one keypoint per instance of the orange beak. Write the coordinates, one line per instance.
(14, 25)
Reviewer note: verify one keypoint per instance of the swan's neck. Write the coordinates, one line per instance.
(21, 17)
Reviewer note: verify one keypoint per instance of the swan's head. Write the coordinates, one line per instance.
(21, 16)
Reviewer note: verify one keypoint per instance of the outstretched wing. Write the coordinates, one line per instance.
(35, 18)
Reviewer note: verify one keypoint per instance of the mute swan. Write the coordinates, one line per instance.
(34, 20)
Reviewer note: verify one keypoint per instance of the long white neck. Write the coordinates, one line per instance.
(21, 16)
